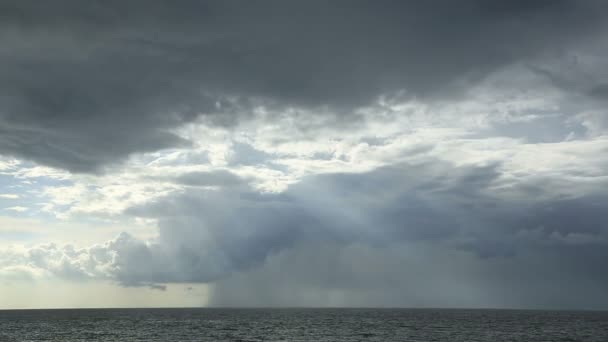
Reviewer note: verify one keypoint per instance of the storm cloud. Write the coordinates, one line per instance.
(343, 153)
(86, 85)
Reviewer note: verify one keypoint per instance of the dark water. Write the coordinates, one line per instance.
(301, 325)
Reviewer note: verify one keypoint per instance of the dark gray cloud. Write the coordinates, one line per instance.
(85, 85)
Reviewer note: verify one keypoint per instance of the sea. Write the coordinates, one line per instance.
(302, 325)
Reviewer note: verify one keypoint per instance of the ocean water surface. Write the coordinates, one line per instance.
(302, 325)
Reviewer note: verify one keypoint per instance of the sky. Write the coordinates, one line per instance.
(314, 153)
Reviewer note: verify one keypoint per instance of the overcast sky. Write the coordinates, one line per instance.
(312, 153)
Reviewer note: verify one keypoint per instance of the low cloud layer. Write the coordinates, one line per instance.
(453, 235)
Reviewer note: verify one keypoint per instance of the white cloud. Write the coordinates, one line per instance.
(17, 208)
